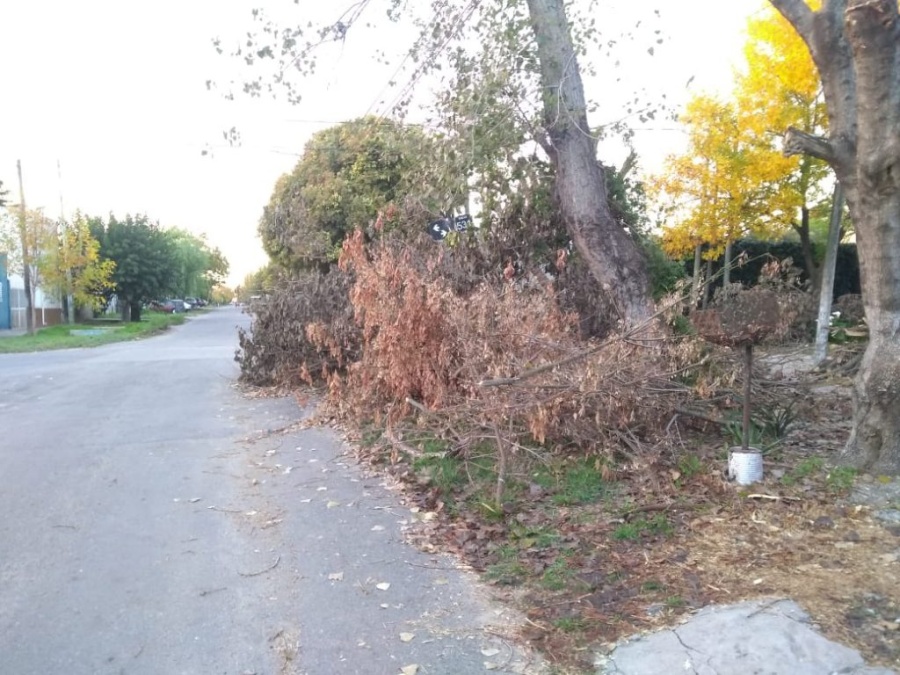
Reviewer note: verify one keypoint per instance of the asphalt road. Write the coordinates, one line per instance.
(155, 520)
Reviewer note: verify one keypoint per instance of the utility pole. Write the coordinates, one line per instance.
(26, 259)
(70, 301)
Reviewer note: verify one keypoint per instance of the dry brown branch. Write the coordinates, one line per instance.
(263, 571)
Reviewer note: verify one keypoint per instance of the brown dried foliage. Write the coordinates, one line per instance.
(423, 343)
(302, 331)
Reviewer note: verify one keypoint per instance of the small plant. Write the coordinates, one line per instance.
(557, 576)
(675, 601)
(840, 478)
(681, 325)
(627, 531)
(690, 466)
(777, 421)
(658, 525)
(651, 586)
(804, 469)
(370, 437)
(571, 624)
(735, 431)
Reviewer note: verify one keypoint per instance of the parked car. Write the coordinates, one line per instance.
(180, 305)
(166, 306)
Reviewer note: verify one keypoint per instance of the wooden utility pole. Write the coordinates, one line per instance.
(67, 258)
(26, 258)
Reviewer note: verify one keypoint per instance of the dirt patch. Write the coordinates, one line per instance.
(591, 562)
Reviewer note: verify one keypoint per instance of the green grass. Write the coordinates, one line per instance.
(507, 571)
(657, 525)
(557, 576)
(445, 473)
(573, 484)
(803, 469)
(538, 537)
(61, 337)
(571, 624)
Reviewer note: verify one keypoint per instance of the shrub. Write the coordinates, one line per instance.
(301, 332)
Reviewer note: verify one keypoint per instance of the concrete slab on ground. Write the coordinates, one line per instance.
(759, 637)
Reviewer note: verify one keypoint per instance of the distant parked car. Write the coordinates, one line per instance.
(162, 306)
(180, 305)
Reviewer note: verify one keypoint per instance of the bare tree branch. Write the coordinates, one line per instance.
(798, 142)
(798, 14)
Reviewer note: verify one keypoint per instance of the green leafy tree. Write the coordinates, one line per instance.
(198, 267)
(145, 259)
(520, 89)
(347, 174)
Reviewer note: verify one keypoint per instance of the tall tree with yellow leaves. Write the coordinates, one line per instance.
(780, 88)
(716, 191)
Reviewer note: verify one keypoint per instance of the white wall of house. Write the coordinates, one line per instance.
(47, 307)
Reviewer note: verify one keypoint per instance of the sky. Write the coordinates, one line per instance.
(105, 102)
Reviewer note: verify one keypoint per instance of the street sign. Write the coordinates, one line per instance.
(439, 229)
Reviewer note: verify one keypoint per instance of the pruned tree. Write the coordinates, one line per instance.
(530, 63)
(612, 254)
(855, 45)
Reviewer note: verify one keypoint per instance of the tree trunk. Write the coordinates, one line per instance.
(875, 439)
(809, 260)
(695, 285)
(135, 311)
(708, 287)
(856, 47)
(826, 290)
(726, 274)
(26, 256)
(609, 250)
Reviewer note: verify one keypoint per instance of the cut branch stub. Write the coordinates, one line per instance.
(745, 319)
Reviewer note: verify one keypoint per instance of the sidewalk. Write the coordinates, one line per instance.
(12, 332)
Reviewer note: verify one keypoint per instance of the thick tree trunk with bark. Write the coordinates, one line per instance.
(856, 47)
(610, 252)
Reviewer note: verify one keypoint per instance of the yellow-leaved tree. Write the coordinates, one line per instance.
(780, 88)
(715, 192)
(733, 179)
(73, 255)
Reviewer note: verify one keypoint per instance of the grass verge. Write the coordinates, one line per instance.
(89, 335)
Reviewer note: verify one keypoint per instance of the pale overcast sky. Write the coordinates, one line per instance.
(114, 90)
